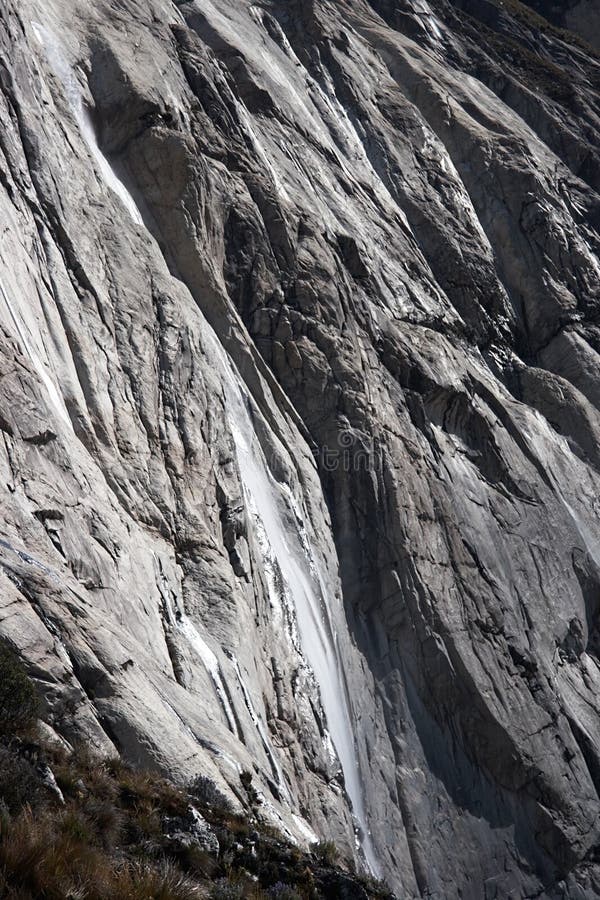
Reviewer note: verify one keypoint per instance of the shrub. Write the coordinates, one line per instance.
(252, 794)
(147, 790)
(283, 891)
(82, 772)
(207, 793)
(19, 703)
(225, 889)
(19, 783)
(375, 887)
(326, 852)
(107, 841)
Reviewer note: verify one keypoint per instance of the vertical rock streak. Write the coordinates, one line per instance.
(311, 603)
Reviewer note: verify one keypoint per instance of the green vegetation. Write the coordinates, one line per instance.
(120, 834)
(326, 851)
(19, 704)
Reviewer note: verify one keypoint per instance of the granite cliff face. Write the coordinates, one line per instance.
(299, 414)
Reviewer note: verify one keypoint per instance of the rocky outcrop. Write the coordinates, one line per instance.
(299, 409)
(191, 831)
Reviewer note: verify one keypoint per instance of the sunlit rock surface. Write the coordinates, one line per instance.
(299, 414)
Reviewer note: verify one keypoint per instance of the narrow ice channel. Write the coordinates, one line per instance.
(310, 601)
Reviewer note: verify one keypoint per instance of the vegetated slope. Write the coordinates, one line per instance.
(73, 825)
(324, 270)
(582, 17)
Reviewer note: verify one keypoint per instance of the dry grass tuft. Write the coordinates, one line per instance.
(52, 857)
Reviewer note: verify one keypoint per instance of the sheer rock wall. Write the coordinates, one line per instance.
(386, 216)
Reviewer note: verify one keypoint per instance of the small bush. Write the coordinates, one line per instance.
(326, 852)
(207, 793)
(283, 891)
(5, 818)
(375, 887)
(19, 783)
(82, 772)
(75, 826)
(225, 889)
(147, 791)
(19, 703)
(252, 794)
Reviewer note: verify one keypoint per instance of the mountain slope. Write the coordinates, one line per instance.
(299, 396)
